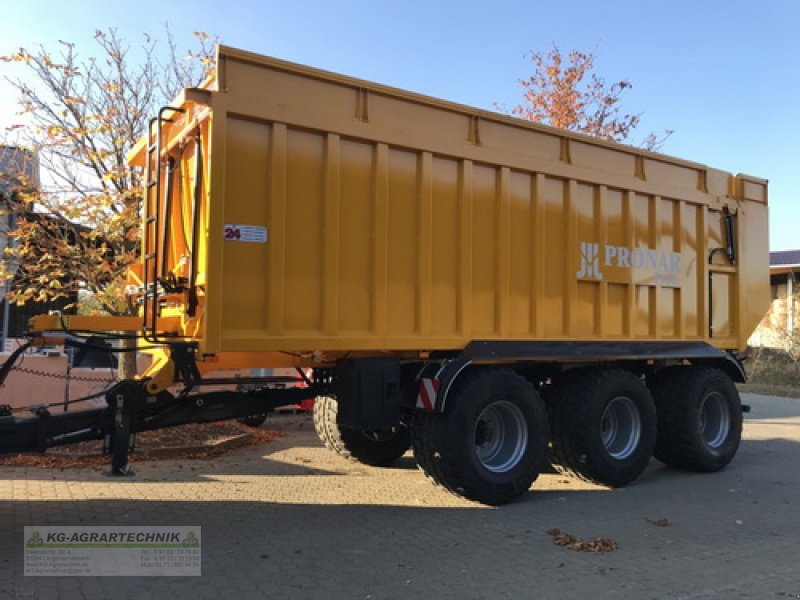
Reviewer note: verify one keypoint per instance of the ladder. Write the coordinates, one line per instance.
(155, 231)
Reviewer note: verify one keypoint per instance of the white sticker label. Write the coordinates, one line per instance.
(245, 233)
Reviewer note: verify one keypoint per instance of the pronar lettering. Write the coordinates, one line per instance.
(621, 264)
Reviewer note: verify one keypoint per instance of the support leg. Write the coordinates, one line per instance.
(122, 400)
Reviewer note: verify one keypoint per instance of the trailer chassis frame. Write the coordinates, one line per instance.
(131, 409)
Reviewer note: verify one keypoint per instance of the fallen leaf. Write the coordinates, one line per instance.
(88, 454)
(573, 542)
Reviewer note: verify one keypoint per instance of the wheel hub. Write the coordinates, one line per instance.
(621, 427)
(501, 436)
(715, 420)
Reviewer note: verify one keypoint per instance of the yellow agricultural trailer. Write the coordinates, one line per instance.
(491, 292)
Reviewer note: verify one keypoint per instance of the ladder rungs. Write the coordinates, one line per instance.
(150, 256)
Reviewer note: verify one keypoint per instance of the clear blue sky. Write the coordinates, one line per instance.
(722, 73)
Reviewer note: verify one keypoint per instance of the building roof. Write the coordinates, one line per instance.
(784, 258)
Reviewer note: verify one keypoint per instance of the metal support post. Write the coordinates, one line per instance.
(122, 400)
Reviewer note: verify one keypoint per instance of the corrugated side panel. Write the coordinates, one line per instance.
(480, 230)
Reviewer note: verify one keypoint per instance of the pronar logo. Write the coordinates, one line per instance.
(641, 265)
(590, 262)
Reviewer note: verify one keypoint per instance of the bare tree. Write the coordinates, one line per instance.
(82, 116)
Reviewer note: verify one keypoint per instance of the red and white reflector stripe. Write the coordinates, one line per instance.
(307, 404)
(301, 382)
(426, 398)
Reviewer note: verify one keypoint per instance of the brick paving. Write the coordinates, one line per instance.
(291, 520)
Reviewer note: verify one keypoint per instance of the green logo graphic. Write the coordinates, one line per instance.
(35, 540)
(190, 540)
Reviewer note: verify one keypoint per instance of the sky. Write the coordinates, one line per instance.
(723, 74)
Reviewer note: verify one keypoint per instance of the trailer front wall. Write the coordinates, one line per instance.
(399, 222)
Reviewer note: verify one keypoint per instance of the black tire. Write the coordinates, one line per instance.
(699, 418)
(604, 426)
(253, 420)
(491, 441)
(376, 448)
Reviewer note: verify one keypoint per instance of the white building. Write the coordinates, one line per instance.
(780, 328)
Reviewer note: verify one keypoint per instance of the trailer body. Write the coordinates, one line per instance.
(484, 289)
(343, 215)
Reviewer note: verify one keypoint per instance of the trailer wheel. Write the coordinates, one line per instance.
(491, 441)
(699, 418)
(376, 448)
(604, 426)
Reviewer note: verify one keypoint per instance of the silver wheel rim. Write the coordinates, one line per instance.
(501, 436)
(621, 427)
(715, 420)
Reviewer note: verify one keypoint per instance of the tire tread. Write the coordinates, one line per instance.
(675, 390)
(351, 444)
(437, 452)
(571, 421)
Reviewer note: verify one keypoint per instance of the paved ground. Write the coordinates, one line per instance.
(290, 520)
